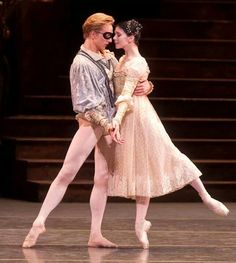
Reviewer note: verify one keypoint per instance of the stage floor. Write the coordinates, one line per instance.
(180, 233)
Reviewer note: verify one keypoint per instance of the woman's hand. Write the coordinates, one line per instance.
(115, 132)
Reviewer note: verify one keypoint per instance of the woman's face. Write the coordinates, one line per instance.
(121, 40)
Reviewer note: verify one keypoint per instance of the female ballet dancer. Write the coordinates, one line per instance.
(145, 163)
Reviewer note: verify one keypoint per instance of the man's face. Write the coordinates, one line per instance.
(104, 36)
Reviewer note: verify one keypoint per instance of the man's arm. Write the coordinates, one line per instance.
(96, 117)
(86, 99)
(143, 88)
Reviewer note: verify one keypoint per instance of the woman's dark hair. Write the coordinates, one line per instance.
(131, 28)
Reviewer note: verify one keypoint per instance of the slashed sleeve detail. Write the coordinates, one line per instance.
(87, 93)
(97, 117)
(84, 93)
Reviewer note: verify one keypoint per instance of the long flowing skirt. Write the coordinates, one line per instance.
(148, 163)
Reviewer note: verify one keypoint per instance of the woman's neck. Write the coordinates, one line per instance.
(131, 52)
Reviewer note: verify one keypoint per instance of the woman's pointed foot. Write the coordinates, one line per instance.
(33, 235)
(141, 230)
(216, 206)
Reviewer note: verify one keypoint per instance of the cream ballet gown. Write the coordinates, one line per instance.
(147, 163)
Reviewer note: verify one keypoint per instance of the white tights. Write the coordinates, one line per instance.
(81, 146)
(142, 203)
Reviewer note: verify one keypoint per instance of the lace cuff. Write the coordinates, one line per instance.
(122, 108)
(97, 118)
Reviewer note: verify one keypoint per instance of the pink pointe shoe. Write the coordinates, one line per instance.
(141, 232)
(216, 206)
(32, 236)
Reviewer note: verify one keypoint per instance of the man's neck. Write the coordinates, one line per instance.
(89, 45)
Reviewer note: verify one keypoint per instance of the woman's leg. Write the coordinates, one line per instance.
(214, 205)
(81, 145)
(141, 224)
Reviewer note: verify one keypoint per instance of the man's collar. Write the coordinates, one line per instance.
(105, 54)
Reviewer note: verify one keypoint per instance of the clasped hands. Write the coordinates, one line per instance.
(114, 132)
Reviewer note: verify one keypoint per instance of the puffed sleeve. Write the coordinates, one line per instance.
(83, 80)
(88, 101)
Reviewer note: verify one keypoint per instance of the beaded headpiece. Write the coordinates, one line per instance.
(132, 27)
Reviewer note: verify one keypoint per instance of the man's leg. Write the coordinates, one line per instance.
(81, 145)
(98, 197)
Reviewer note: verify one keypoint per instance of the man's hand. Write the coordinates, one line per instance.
(143, 88)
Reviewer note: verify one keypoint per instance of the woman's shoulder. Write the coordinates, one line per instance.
(137, 61)
(137, 64)
(142, 59)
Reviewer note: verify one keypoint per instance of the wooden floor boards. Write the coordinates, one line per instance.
(180, 233)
